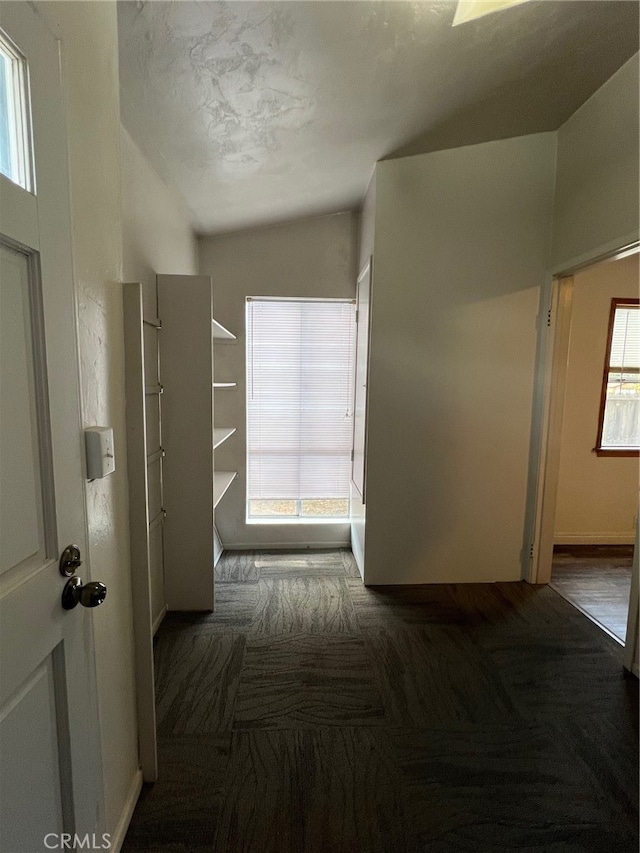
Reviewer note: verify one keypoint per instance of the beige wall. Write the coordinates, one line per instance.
(88, 32)
(309, 257)
(461, 247)
(596, 205)
(597, 496)
(157, 235)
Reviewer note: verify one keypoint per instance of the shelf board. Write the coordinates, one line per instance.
(220, 333)
(221, 434)
(155, 322)
(221, 482)
(225, 384)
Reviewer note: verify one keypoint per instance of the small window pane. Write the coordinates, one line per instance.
(273, 509)
(15, 161)
(5, 143)
(325, 508)
(620, 428)
(320, 508)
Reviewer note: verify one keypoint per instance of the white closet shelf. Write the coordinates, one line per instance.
(220, 333)
(221, 434)
(221, 482)
(225, 384)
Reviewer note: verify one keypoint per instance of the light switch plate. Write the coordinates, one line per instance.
(100, 453)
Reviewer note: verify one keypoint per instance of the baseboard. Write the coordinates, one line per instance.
(117, 839)
(594, 538)
(285, 546)
(158, 620)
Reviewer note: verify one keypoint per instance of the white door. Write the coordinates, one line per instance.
(50, 774)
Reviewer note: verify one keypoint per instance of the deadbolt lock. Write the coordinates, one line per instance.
(70, 561)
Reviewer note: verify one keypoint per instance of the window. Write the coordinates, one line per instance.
(15, 159)
(299, 408)
(619, 421)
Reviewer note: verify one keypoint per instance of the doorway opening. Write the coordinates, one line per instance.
(589, 478)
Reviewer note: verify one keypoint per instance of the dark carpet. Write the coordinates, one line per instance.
(312, 714)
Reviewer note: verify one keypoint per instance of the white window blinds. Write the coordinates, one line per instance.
(619, 428)
(299, 398)
(625, 338)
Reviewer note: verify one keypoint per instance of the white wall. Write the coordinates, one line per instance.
(462, 240)
(157, 235)
(90, 77)
(367, 230)
(597, 495)
(310, 257)
(596, 203)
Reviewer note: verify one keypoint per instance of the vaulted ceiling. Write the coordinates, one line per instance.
(258, 112)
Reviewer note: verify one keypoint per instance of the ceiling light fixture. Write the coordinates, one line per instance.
(469, 10)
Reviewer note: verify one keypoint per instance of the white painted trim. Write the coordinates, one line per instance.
(285, 546)
(632, 649)
(158, 620)
(363, 294)
(594, 539)
(296, 521)
(600, 253)
(554, 367)
(133, 319)
(544, 350)
(117, 839)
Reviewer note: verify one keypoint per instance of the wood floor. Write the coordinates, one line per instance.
(597, 579)
(311, 714)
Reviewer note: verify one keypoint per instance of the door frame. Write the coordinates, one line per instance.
(364, 278)
(137, 467)
(547, 423)
(631, 651)
(553, 389)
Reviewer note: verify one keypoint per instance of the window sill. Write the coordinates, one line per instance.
(344, 520)
(615, 451)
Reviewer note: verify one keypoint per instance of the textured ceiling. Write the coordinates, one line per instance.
(265, 111)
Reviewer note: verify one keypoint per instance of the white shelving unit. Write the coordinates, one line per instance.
(221, 482)
(221, 434)
(221, 334)
(222, 479)
(193, 487)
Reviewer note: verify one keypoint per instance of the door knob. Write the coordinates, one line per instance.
(70, 560)
(90, 594)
